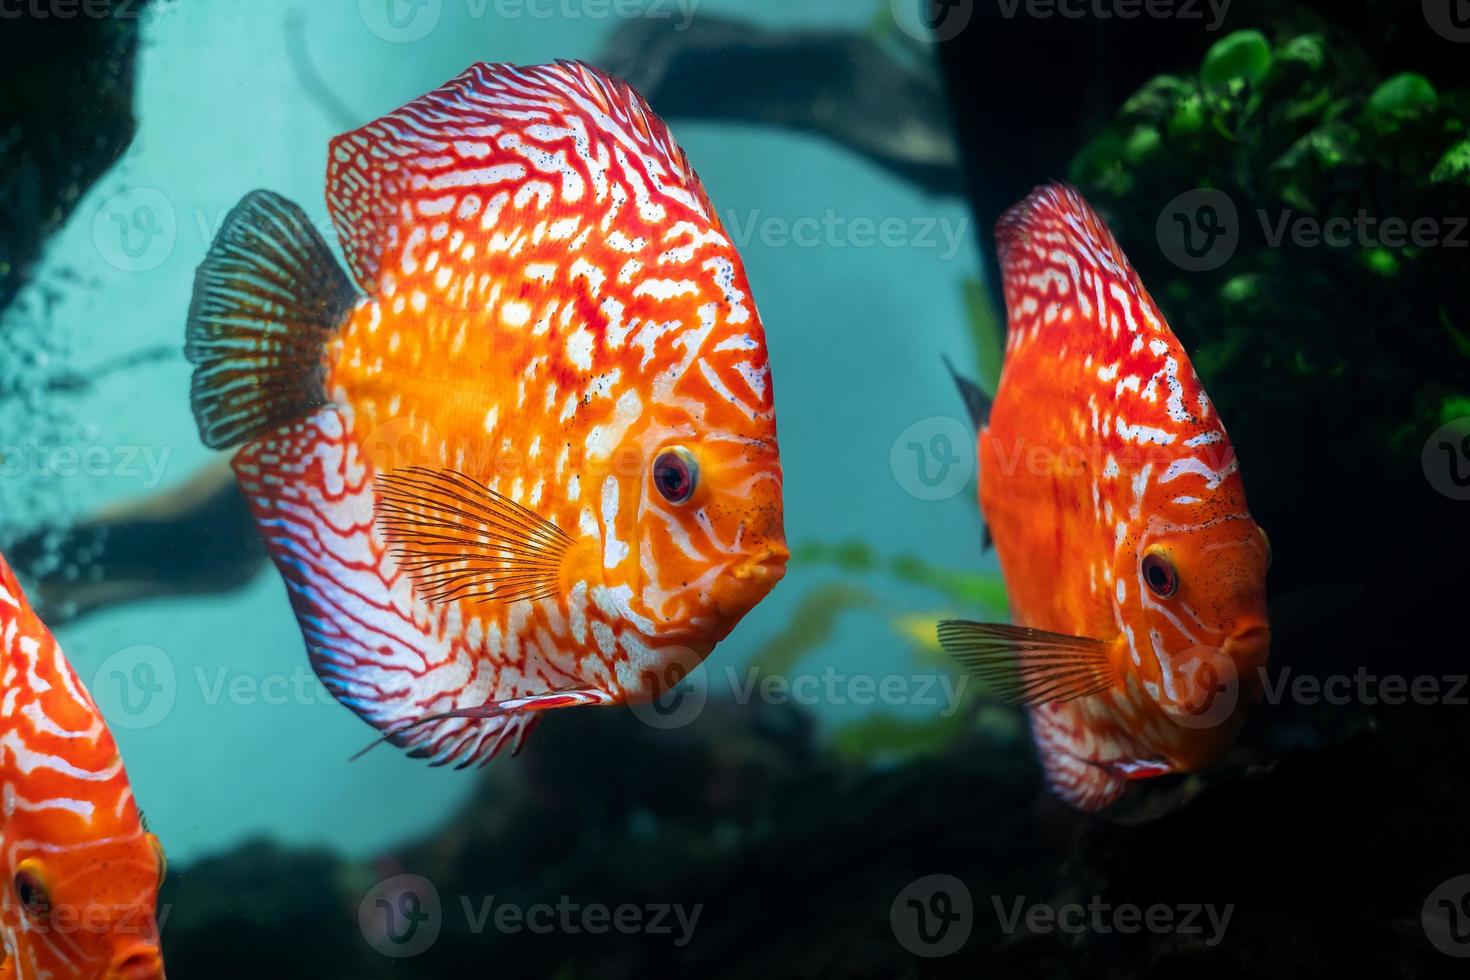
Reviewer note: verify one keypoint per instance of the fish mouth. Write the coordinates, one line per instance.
(1249, 648)
(139, 963)
(765, 569)
(750, 581)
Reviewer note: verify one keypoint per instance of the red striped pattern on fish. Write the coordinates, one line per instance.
(81, 872)
(1114, 499)
(554, 323)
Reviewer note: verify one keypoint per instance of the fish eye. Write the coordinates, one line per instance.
(676, 474)
(30, 889)
(162, 858)
(1159, 575)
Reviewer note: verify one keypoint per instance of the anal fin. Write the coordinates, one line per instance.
(378, 648)
(515, 714)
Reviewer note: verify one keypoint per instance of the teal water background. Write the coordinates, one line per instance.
(855, 333)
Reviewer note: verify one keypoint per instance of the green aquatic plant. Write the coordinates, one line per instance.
(812, 624)
(968, 589)
(986, 335)
(1331, 322)
(882, 735)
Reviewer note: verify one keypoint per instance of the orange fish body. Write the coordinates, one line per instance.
(81, 872)
(1135, 573)
(530, 460)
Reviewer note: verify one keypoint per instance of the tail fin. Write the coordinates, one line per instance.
(267, 298)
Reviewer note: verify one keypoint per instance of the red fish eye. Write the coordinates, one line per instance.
(675, 474)
(32, 894)
(1160, 576)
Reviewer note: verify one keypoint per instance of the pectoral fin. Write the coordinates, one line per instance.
(1029, 666)
(457, 539)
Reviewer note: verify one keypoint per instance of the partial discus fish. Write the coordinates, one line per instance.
(80, 891)
(525, 458)
(1135, 574)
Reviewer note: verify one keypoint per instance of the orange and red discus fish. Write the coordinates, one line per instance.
(1135, 573)
(81, 871)
(535, 464)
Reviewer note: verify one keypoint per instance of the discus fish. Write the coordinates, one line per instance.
(533, 464)
(1135, 573)
(81, 871)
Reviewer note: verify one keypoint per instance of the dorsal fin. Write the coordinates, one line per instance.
(12, 599)
(1058, 216)
(267, 298)
(494, 128)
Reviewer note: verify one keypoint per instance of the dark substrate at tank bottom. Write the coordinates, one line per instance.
(1326, 853)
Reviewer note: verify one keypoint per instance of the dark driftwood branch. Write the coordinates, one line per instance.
(840, 85)
(193, 539)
